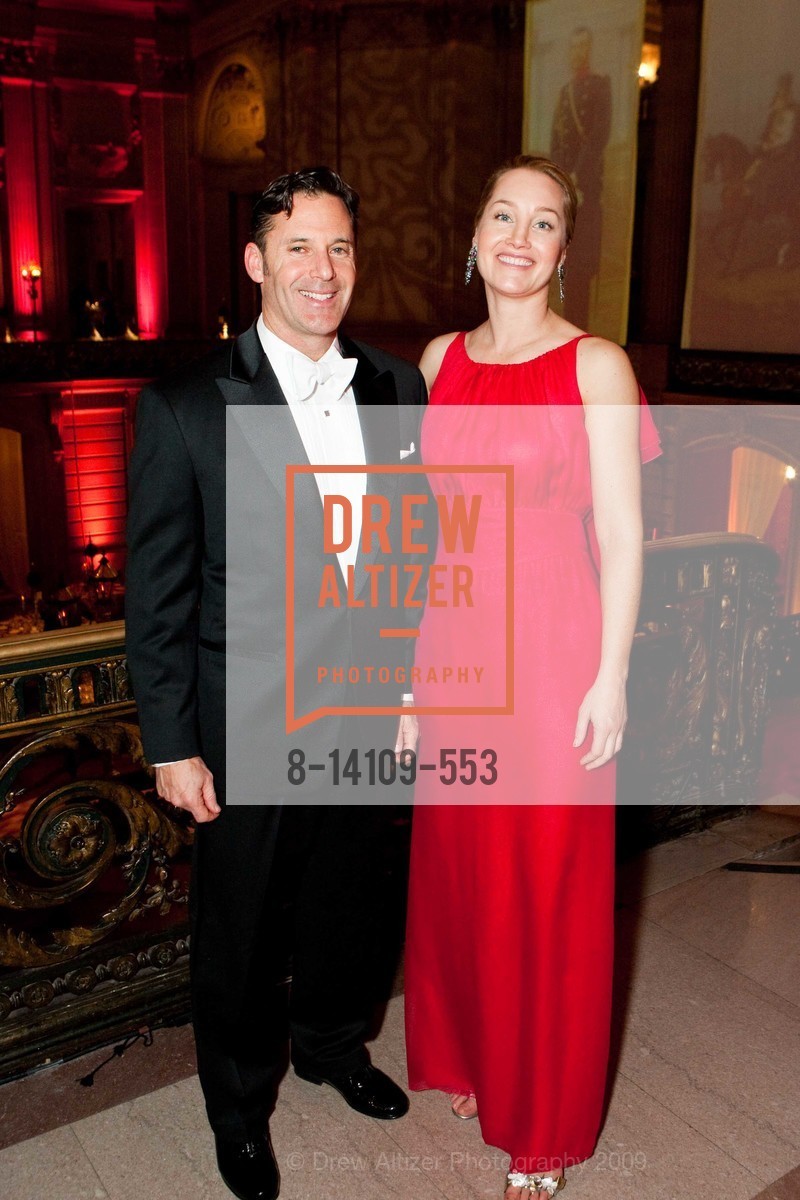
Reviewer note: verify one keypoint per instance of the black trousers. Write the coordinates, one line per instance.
(302, 881)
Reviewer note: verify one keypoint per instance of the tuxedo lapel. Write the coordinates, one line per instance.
(376, 396)
(253, 382)
(250, 380)
(272, 436)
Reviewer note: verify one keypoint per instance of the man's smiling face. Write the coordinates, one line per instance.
(307, 272)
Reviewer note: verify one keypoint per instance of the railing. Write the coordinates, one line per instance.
(93, 867)
(699, 678)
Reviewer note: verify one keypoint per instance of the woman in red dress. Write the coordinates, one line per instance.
(510, 929)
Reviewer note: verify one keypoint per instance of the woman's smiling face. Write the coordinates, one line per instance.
(521, 236)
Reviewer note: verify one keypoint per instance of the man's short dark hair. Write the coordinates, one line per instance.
(309, 181)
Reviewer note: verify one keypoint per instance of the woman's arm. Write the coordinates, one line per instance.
(611, 405)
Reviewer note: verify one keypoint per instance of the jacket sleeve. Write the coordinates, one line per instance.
(163, 582)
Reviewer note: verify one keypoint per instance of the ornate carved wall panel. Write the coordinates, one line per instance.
(742, 377)
(235, 120)
(378, 91)
(391, 146)
(93, 867)
(96, 136)
(786, 677)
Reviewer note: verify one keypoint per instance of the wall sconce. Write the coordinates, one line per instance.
(32, 273)
(104, 581)
(90, 552)
(651, 61)
(105, 577)
(790, 474)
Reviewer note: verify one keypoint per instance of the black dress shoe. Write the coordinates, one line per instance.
(367, 1090)
(249, 1168)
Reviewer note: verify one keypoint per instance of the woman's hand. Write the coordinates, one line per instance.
(605, 707)
(407, 736)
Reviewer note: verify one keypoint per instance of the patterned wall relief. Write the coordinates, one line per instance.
(310, 41)
(96, 137)
(389, 146)
(396, 111)
(415, 104)
(235, 119)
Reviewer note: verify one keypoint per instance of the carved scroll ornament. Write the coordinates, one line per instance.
(67, 839)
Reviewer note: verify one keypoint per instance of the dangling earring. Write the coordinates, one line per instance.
(561, 282)
(472, 258)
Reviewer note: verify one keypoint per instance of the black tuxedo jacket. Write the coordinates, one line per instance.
(190, 529)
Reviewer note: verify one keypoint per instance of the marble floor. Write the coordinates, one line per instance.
(705, 1103)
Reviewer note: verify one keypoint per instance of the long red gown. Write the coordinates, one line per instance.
(510, 925)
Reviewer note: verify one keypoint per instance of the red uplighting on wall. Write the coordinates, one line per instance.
(147, 295)
(95, 479)
(150, 283)
(21, 187)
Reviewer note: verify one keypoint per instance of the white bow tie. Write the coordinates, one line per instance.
(333, 376)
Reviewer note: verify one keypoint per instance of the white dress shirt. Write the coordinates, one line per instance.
(326, 416)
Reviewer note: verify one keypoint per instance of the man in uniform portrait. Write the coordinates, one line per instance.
(581, 128)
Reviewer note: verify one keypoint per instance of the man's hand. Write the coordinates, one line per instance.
(189, 784)
(407, 736)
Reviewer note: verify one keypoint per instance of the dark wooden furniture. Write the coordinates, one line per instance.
(698, 683)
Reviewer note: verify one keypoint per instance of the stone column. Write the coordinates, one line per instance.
(667, 205)
(23, 193)
(150, 223)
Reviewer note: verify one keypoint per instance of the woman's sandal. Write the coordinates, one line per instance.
(457, 1099)
(537, 1183)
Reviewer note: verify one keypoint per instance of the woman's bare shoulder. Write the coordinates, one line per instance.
(605, 374)
(433, 355)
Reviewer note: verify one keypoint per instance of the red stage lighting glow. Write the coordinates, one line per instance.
(95, 483)
(150, 289)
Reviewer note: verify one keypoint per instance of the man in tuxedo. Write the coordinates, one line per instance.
(300, 392)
